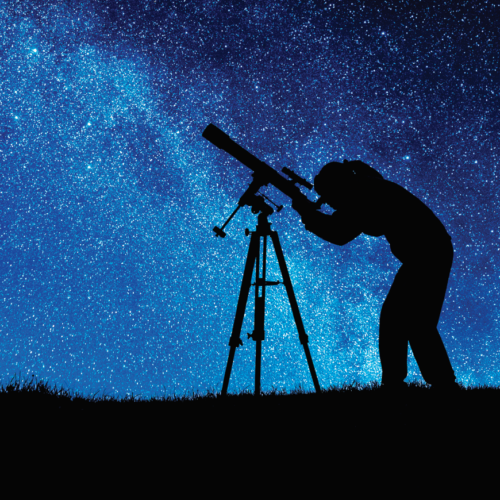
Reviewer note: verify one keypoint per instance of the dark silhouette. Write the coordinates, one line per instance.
(263, 174)
(364, 202)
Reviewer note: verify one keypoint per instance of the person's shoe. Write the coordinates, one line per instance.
(394, 388)
(448, 387)
(447, 394)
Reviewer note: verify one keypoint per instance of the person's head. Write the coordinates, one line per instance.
(335, 182)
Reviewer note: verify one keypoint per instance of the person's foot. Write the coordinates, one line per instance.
(446, 387)
(394, 388)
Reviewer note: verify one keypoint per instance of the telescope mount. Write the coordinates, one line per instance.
(256, 259)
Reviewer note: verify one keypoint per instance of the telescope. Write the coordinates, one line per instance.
(263, 175)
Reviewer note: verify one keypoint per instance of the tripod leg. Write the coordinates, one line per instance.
(235, 339)
(229, 366)
(258, 358)
(295, 308)
(258, 333)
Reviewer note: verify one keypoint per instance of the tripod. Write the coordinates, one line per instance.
(263, 230)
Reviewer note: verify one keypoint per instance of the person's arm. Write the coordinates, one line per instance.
(338, 228)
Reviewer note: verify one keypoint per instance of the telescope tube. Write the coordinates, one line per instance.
(262, 171)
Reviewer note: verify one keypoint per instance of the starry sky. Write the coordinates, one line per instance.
(111, 278)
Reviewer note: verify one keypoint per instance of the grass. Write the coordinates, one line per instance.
(347, 418)
(33, 392)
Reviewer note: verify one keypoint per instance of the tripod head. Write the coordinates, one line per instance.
(256, 201)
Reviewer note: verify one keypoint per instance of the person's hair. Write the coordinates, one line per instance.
(338, 172)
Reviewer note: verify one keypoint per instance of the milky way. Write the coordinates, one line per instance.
(111, 277)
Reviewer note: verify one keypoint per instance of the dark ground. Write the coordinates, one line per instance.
(359, 436)
(351, 412)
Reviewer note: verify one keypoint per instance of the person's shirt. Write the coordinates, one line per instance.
(379, 207)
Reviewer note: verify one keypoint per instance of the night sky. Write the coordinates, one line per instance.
(111, 278)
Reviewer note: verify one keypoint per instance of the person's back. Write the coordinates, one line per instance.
(380, 207)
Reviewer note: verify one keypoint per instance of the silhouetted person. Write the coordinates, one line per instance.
(366, 203)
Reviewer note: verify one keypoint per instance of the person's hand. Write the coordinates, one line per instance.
(299, 207)
(306, 212)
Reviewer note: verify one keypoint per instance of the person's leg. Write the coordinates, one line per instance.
(411, 313)
(393, 341)
(430, 280)
(431, 357)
